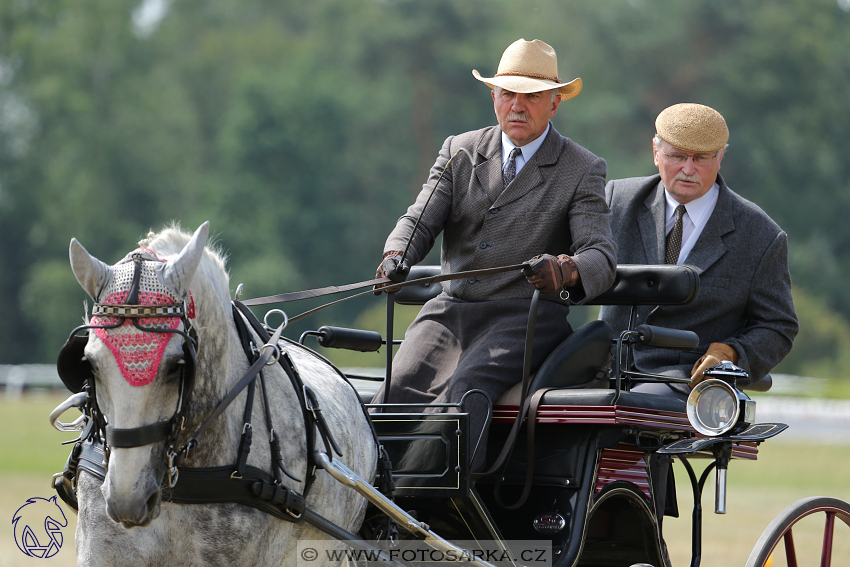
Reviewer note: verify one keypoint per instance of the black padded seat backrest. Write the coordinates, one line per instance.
(634, 284)
(638, 284)
(578, 359)
(574, 362)
(419, 294)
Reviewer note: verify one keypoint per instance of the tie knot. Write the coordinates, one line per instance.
(680, 211)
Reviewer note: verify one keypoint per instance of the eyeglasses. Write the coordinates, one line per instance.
(699, 159)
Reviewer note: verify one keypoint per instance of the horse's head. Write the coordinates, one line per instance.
(141, 350)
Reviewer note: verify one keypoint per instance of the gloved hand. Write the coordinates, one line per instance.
(392, 267)
(554, 273)
(716, 353)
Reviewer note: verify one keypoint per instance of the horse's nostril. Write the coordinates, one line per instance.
(152, 502)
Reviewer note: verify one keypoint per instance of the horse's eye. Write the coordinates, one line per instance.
(175, 368)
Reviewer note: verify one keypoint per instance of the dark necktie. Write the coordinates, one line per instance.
(509, 172)
(674, 238)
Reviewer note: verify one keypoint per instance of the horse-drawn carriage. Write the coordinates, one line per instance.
(173, 381)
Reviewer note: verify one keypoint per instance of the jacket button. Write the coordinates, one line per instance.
(483, 245)
(494, 210)
(471, 280)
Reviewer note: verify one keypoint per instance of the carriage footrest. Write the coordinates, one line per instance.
(429, 452)
(756, 432)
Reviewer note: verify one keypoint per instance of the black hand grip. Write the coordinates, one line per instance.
(532, 266)
(664, 337)
(351, 339)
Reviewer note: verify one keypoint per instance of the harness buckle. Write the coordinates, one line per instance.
(308, 403)
(173, 473)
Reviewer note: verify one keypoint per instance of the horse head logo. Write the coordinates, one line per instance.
(38, 527)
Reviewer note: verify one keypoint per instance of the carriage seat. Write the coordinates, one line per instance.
(587, 351)
(579, 360)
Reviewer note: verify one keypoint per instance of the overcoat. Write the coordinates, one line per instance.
(741, 256)
(472, 335)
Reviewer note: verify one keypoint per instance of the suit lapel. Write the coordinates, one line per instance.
(488, 172)
(651, 224)
(710, 246)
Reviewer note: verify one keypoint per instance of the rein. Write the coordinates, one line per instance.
(299, 295)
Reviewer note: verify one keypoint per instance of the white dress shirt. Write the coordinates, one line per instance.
(527, 150)
(698, 212)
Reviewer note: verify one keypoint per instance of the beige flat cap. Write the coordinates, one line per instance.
(692, 127)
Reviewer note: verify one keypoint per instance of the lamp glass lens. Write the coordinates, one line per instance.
(716, 408)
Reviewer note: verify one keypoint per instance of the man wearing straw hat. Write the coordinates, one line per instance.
(522, 192)
(687, 214)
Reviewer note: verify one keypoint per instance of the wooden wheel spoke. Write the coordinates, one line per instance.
(826, 552)
(790, 553)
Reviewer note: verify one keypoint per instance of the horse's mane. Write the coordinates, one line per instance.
(171, 240)
(215, 279)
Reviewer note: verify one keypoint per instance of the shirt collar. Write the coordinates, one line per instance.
(696, 208)
(528, 150)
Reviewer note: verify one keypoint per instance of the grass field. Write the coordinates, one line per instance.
(757, 491)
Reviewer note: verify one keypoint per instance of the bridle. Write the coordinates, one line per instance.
(77, 373)
(240, 482)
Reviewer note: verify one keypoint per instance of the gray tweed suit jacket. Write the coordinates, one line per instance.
(554, 205)
(745, 287)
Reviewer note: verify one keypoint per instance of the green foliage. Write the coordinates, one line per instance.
(303, 130)
(822, 348)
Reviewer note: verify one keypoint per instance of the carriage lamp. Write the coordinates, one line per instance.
(715, 407)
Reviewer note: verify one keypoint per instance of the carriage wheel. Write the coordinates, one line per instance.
(768, 552)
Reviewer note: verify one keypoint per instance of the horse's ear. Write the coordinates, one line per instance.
(92, 274)
(177, 273)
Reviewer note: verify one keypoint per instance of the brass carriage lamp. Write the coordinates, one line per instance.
(716, 405)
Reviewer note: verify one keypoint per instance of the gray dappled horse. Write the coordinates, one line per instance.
(123, 520)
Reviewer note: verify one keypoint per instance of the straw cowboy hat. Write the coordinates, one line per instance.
(530, 67)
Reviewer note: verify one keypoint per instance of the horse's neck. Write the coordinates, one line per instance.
(221, 362)
(221, 365)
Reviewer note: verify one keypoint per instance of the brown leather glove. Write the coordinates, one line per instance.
(554, 274)
(716, 353)
(389, 267)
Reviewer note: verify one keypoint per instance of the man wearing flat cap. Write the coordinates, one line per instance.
(687, 214)
(526, 192)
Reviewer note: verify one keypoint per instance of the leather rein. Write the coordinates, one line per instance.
(330, 290)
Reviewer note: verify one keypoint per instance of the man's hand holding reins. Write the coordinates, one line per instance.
(393, 267)
(551, 274)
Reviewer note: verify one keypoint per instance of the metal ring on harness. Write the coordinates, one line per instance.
(266, 318)
(272, 361)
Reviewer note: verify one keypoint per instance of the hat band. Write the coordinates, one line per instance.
(529, 75)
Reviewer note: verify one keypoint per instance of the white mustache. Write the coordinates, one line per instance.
(684, 177)
(517, 116)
